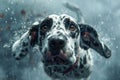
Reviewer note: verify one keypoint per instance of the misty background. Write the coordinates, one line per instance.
(16, 16)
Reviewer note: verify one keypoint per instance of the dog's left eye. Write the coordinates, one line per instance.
(44, 28)
(72, 28)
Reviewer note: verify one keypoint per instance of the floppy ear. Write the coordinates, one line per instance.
(90, 39)
(33, 32)
(23, 46)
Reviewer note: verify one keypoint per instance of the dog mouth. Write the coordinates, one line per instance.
(56, 58)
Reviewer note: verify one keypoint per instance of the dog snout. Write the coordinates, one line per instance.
(57, 43)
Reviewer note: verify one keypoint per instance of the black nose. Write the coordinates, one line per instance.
(56, 43)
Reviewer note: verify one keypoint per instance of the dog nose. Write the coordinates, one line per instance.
(56, 43)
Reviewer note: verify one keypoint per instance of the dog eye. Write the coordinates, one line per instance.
(44, 28)
(72, 28)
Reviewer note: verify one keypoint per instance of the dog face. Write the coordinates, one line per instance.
(63, 44)
(59, 39)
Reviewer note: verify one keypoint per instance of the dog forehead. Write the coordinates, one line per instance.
(54, 17)
(64, 16)
(61, 18)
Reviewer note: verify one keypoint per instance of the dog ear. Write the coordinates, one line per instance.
(22, 46)
(90, 39)
(33, 32)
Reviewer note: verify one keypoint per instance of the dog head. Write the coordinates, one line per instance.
(59, 39)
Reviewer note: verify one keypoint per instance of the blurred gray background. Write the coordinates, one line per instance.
(16, 16)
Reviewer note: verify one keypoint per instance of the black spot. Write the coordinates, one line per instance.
(96, 44)
(81, 65)
(59, 34)
(24, 44)
(13, 54)
(22, 50)
(59, 28)
(75, 44)
(54, 26)
(82, 71)
(26, 49)
(22, 54)
(72, 34)
(80, 60)
(85, 59)
(17, 58)
(61, 18)
(67, 23)
(59, 23)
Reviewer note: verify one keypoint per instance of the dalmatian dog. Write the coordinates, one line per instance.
(64, 44)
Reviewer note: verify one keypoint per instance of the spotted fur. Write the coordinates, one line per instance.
(75, 48)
